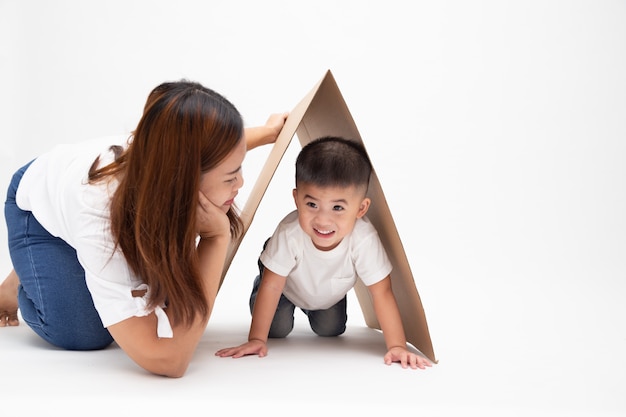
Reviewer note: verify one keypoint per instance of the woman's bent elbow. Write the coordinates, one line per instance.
(171, 368)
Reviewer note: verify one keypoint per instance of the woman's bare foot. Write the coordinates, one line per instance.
(8, 300)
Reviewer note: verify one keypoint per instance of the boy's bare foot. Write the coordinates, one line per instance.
(8, 300)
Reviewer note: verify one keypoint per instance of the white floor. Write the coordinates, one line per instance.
(503, 350)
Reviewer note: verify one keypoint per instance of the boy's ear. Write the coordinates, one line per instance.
(295, 196)
(365, 205)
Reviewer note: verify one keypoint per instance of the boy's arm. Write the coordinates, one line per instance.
(270, 290)
(388, 315)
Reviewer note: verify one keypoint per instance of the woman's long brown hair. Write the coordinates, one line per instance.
(186, 129)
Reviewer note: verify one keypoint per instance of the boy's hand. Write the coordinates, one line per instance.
(253, 347)
(406, 358)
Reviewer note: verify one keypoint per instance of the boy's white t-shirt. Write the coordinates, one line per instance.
(55, 189)
(316, 280)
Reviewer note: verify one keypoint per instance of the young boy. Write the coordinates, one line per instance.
(317, 252)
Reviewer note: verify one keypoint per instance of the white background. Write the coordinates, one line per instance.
(497, 130)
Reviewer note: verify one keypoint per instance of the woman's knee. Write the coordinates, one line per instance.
(97, 341)
(68, 326)
(72, 339)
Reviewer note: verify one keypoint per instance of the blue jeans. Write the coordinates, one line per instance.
(328, 322)
(53, 297)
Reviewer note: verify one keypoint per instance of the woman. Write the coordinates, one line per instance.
(126, 240)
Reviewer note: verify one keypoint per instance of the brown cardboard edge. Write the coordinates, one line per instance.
(267, 172)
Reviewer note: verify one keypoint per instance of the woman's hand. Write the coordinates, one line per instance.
(266, 134)
(211, 221)
(275, 124)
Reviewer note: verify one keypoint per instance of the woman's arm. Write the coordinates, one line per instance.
(137, 336)
(263, 135)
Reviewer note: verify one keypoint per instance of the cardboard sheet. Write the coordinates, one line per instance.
(323, 112)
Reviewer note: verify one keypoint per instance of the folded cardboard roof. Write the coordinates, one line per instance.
(323, 112)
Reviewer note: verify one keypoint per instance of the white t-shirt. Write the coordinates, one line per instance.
(55, 189)
(316, 280)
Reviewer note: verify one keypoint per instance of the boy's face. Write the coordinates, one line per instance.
(328, 214)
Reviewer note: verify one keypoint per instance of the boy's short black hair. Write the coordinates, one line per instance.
(333, 161)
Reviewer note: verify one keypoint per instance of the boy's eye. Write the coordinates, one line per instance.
(337, 208)
(311, 204)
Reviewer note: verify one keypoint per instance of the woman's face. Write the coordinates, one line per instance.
(222, 183)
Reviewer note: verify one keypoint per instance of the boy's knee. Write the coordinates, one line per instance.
(328, 331)
(280, 332)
